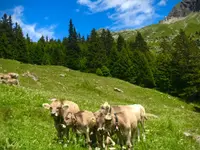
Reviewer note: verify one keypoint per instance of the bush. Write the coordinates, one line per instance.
(105, 71)
(99, 72)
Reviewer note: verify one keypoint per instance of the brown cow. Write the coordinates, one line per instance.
(83, 122)
(57, 112)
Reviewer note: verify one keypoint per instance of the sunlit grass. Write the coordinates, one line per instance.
(24, 124)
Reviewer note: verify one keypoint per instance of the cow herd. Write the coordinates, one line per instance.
(99, 127)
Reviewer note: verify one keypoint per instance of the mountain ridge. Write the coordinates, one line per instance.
(185, 15)
(184, 8)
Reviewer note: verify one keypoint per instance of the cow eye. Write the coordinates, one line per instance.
(50, 108)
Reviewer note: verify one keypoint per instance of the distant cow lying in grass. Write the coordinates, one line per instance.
(57, 111)
(10, 78)
(83, 122)
(10, 82)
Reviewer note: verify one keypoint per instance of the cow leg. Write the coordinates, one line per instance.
(88, 138)
(59, 133)
(67, 134)
(143, 132)
(138, 133)
(128, 142)
(120, 137)
(109, 140)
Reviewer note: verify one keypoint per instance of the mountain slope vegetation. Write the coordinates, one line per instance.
(190, 24)
(26, 125)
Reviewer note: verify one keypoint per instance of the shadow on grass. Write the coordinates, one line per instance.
(197, 109)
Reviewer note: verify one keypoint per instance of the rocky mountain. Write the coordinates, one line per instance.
(184, 8)
(185, 15)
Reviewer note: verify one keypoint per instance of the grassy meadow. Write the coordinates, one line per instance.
(26, 125)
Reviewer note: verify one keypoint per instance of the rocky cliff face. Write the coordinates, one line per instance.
(185, 7)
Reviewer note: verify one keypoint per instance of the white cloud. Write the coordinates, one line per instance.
(33, 31)
(124, 13)
(162, 2)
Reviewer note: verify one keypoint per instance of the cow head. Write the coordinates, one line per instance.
(55, 107)
(106, 108)
(69, 119)
(100, 121)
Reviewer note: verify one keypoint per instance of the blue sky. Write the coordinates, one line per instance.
(51, 18)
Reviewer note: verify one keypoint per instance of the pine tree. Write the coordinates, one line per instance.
(144, 75)
(21, 51)
(163, 67)
(185, 67)
(120, 43)
(5, 47)
(6, 35)
(73, 50)
(96, 53)
(121, 68)
(140, 43)
(39, 51)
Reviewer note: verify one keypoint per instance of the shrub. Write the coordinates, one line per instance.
(99, 72)
(105, 71)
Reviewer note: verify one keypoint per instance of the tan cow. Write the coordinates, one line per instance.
(136, 109)
(10, 81)
(13, 75)
(101, 133)
(123, 123)
(57, 112)
(83, 122)
(5, 77)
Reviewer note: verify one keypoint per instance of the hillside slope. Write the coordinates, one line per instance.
(25, 124)
(169, 28)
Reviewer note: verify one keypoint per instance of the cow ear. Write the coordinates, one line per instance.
(108, 117)
(53, 99)
(46, 106)
(65, 106)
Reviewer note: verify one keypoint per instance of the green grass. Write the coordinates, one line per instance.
(24, 124)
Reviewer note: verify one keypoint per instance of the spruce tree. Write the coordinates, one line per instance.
(185, 67)
(73, 50)
(120, 43)
(96, 57)
(21, 51)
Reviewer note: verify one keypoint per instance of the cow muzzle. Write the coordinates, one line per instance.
(53, 114)
(101, 129)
